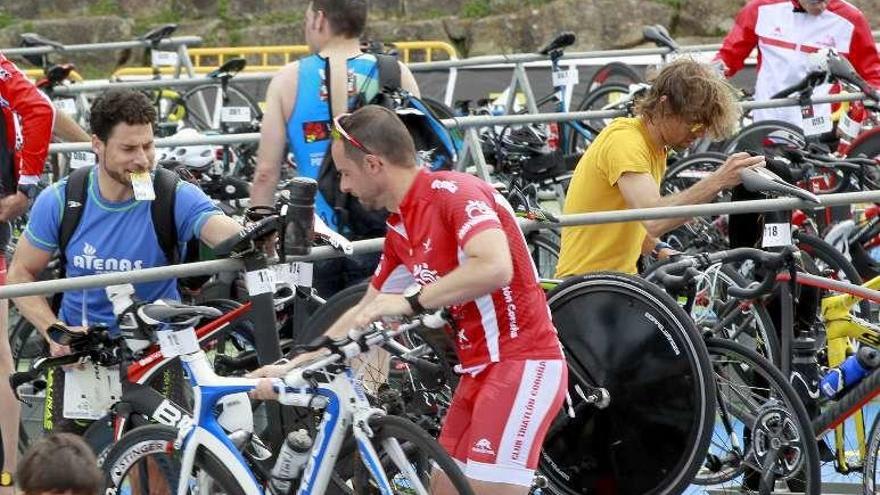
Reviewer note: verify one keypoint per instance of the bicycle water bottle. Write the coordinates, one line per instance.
(300, 216)
(293, 456)
(851, 371)
(805, 375)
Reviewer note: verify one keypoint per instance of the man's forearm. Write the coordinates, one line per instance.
(701, 192)
(34, 309)
(263, 187)
(343, 324)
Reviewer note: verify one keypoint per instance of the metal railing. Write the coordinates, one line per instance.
(375, 245)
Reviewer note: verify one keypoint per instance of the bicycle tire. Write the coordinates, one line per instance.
(616, 72)
(626, 335)
(751, 137)
(843, 269)
(544, 250)
(411, 440)
(737, 370)
(575, 144)
(237, 97)
(157, 442)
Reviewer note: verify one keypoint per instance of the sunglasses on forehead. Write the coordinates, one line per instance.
(339, 132)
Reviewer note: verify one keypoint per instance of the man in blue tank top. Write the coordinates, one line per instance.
(298, 115)
(115, 232)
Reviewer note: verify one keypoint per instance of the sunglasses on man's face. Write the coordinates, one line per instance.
(339, 132)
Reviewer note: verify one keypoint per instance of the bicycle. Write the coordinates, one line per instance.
(385, 445)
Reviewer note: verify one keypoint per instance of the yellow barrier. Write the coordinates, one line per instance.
(272, 58)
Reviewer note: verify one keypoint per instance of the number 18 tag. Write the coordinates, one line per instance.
(776, 235)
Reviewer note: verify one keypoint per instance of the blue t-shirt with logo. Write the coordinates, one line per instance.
(113, 237)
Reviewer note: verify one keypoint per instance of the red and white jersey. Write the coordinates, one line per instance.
(441, 212)
(786, 37)
(29, 118)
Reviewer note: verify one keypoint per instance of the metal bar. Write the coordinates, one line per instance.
(375, 245)
(96, 87)
(166, 272)
(458, 122)
(95, 47)
(709, 209)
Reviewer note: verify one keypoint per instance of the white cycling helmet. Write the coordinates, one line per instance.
(196, 157)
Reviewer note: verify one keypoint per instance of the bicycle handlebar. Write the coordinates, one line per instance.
(680, 273)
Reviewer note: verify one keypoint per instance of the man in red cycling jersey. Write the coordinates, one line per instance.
(787, 33)
(454, 242)
(26, 126)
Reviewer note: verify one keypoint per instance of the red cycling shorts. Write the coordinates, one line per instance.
(499, 417)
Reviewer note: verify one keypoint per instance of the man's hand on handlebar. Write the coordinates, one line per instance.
(56, 349)
(728, 173)
(382, 305)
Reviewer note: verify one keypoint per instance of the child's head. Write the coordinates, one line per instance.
(57, 464)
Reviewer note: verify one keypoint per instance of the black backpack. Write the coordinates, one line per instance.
(428, 133)
(165, 186)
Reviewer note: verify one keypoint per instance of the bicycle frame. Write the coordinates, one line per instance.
(342, 398)
(842, 327)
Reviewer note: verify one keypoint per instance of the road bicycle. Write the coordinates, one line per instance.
(392, 455)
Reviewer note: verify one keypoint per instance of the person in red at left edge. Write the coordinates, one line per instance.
(26, 127)
(787, 33)
(454, 242)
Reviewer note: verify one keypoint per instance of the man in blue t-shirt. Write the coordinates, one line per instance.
(115, 232)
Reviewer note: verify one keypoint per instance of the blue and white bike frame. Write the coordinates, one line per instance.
(341, 397)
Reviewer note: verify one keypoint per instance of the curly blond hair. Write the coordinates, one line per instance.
(695, 93)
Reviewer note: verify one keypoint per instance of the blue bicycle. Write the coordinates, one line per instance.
(356, 445)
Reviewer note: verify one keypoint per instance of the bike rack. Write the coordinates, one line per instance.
(375, 245)
(179, 44)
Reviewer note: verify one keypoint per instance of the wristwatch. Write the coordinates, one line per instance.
(412, 294)
(6, 478)
(30, 192)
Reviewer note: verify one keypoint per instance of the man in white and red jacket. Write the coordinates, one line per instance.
(787, 33)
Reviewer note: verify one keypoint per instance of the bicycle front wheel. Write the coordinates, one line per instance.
(763, 434)
(144, 462)
(624, 334)
(409, 458)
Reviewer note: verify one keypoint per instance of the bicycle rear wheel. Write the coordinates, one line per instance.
(762, 427)
(408, 457)
(624, 334)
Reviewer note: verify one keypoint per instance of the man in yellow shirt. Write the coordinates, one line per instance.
(624, 166)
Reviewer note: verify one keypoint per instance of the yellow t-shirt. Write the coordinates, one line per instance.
(623, 146)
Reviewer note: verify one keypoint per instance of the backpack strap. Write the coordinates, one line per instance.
(75, 195)
(389, 72)
(162, 211)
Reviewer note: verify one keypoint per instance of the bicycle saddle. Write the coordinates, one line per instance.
(34, 39)
(229, 68)
(155, 35)
(562, 40)
(761, 180)
(660, 36)
(241, 242)
(59, 72)
(176, 313)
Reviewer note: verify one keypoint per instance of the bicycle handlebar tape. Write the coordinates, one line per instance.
(299, 229)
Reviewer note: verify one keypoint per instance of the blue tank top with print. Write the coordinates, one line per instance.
(308, 129)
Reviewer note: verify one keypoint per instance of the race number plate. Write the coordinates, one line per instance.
(776, 235)
(260, 281)
(79, 159)
(570, 77)
(232, 115)
(163, 59)
(177, 343)
(91, 391)
(816, 120)
(296, 274)
(66, 106)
